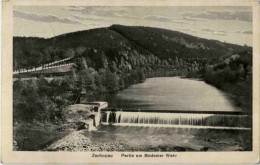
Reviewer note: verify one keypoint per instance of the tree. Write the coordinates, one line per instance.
(35, 58)
(46, 110)
(141, 76)
(70, 53)
(84, 63)
(113, 67)
(29, 94)
(241, 71)
(79, 51)
(121, 83)
(99, 83)
(165, 63)
(43, 87)
(176, 62)
(101, 61)
(46, 58)
(89, 84)
(111, 81)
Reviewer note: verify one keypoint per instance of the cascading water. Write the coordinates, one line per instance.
(174, 119)
(107, 117)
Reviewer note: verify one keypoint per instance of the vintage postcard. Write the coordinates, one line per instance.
(123, 81)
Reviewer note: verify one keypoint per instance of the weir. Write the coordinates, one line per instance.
(177, 118)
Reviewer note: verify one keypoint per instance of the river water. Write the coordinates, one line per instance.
(171, 93)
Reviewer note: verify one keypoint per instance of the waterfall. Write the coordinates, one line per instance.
(108, 115)
(174, 119)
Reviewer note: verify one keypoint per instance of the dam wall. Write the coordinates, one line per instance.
(215, 120)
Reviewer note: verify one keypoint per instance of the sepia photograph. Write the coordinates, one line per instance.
(104, 79)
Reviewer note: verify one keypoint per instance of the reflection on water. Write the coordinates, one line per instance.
(170, 93)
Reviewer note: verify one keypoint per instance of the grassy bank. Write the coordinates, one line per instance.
(31, 137)
(241, 93)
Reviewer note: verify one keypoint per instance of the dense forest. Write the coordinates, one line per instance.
(118, 43)
(110, 59)
(233, 75)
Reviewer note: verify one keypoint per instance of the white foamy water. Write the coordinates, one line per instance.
(180, 120)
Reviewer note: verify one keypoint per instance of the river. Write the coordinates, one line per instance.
(171, 93)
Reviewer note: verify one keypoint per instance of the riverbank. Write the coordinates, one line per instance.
(35, 136)
(104, 140)
(76, 142)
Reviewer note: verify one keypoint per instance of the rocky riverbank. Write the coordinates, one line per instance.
(75, 141)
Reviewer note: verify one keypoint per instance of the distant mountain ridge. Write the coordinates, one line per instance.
(173, 43)
(117, 41)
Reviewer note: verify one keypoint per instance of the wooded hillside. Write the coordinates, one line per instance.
(118, 45)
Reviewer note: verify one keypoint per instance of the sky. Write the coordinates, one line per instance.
(226, 24)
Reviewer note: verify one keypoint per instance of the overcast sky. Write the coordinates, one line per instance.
(230, 24)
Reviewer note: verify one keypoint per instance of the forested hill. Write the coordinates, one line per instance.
(118, 45)
(167, 44)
